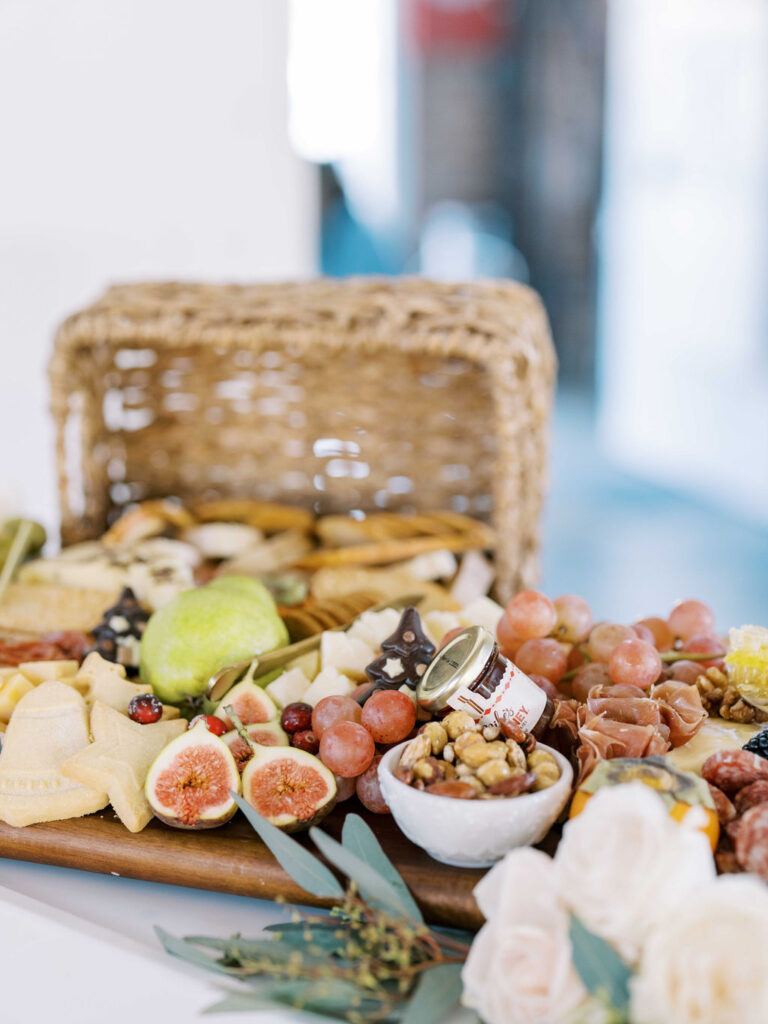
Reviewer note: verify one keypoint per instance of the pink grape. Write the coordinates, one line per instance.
(547, 686)
(605, 636)
(635, 662)
(531, 615)
(662, 634)
(594, 674)
(546, 658)
(334, 709)
(689, 618)
(643, 633)
(369, 791)
(345, 788)
(509, 641)
(389, 716)
(574, 618)
(347, 749)
(687, 671)
(703, 644)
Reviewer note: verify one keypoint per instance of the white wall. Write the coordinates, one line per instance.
(684, 302)
(138, 139)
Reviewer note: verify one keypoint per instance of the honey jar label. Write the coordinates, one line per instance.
(516, 699)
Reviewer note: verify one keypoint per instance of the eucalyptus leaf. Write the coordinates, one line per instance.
(251, 1002)
(358, 837)
(279, 949)
(303, 867)
(437, 993)
(373, 887)
(333, 997)
(600, 968)
(186, 951)
(323, 938)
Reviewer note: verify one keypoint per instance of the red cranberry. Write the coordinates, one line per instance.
(296, 717)
(306, 740)
(145, 709)
(213, 724)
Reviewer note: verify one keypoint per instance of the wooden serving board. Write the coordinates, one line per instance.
(232, 859)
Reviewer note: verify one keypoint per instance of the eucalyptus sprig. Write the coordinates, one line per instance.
(371, 958)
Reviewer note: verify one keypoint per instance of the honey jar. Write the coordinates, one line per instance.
(471, 674)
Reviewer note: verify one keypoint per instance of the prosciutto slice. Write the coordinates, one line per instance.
(681, 709)
(602, 737)
(623, 703)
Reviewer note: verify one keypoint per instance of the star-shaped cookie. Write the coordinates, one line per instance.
(119, 759)
(104, 681)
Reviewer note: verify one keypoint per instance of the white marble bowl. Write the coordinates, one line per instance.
(472, 833)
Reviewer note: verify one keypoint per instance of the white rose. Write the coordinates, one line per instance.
(623, 861)
(519, 969)
(705, 962)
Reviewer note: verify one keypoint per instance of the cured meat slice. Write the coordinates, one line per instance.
(680, 708)
(725, 810)
(752, 795)
(751, 841)
(732, 770)
(602, 737)
(633, 710)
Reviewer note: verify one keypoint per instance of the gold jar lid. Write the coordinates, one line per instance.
(457, 664)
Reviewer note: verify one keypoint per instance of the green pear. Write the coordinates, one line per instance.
(201, 631)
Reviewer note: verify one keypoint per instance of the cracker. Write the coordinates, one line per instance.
(264, 515)
(119, 760)
(48, 607)
(387, 551)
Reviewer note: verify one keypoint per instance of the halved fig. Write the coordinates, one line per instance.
(250, 702)
(266, 734)
(189, 783)
(289, 787)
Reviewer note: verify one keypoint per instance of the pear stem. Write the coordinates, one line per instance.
(242, 732)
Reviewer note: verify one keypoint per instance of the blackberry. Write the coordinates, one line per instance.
(758, 744)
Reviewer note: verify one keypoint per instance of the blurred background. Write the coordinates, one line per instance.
(611, 153)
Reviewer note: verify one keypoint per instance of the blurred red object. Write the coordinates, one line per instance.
(456, 24)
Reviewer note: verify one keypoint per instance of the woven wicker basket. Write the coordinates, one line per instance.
(339, 395)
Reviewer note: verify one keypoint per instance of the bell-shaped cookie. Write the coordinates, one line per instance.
(49, 725)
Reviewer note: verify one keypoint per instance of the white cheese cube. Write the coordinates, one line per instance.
(374, 627)
(437, 624)
(433, 565)
(474, 578)
(330, 683)
(346, 653)
(482, 612)
(288, 687)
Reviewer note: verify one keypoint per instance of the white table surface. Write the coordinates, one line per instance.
(79, 948)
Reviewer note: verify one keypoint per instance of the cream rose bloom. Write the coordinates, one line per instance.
(623, 861)
(706, 962)
(519, 970)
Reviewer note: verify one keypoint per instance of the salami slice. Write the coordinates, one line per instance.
(752, 795)
(731, 770)
(725, 810)
(752, 841)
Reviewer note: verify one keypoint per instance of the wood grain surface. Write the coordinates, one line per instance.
(232, 859)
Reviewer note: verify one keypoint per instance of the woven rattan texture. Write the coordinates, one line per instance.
(340, 395)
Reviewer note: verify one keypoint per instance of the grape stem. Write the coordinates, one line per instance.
(670, 656)
(242, 732)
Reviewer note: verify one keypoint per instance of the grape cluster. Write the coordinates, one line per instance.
(345, 737)
(558, 644)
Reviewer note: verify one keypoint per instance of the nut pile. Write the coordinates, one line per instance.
(460, 758)
(721, 699)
